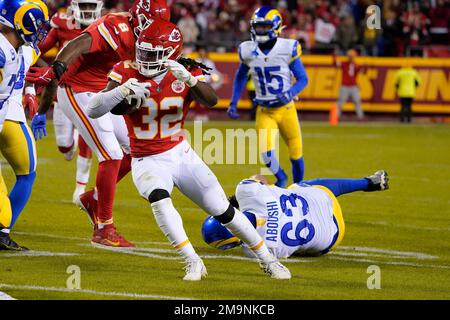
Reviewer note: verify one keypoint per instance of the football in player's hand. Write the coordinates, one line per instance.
(127, 106)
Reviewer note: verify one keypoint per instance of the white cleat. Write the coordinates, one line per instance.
(195, 270)
(79, 190)
(275, 270)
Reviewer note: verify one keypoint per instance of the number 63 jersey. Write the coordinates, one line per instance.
(298, 221)
(158, 125)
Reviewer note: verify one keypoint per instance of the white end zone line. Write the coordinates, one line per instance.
(92, 292)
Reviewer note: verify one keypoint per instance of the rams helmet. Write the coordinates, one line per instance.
(266, 24)
(30, 18)
(217, 236)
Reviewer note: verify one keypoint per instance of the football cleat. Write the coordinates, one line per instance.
(107, 237)
(275, 270)
(195, 270)
(6, 243)
(378, 181)
(89, 204)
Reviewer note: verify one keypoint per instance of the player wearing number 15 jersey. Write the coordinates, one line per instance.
(271, 61)
(303, 220)
(82, 68)
(164, 88)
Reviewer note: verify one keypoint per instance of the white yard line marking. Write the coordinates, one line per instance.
(342, 251)
(396, 263)
(149, 253)
(417, 255)
(32, 253)
(93, 292)
(4, 296)
(54, 236)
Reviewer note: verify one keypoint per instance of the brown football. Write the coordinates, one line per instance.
(125, 107)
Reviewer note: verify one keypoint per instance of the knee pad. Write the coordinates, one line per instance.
(157, 195)
(227, 216)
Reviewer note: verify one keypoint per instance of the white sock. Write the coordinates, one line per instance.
(83, 169)
(242, 228)
(170, 223)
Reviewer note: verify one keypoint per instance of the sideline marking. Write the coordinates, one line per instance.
(32, 253)
(87, 291)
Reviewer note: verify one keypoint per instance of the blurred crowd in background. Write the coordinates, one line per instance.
(408, 28)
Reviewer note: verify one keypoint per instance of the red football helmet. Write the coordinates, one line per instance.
(143, 10)
(158, 42)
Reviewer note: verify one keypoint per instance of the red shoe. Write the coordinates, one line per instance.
(108, 237)
(89, 204)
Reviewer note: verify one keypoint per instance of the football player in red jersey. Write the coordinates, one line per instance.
(66, 26)
(164, 88)
(81, 68)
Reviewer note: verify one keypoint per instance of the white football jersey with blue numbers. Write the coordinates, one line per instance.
(10, 65)
(15, 108)
(291, 221)
(270, 73)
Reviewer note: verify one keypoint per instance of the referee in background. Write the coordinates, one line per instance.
(407, 80)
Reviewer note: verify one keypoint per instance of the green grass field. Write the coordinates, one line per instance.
(405, 231)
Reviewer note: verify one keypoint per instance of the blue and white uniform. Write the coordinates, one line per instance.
(298, 221)
(16, 111)
(271, 72)
(11, 62)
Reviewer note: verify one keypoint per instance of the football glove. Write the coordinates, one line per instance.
(30, 104)
(38, 126)
(280, 100)
(40, 76)
(135, 89)
(181, 73)
(232, 112)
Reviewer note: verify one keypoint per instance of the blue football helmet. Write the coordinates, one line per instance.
(30, 19)
(217, 236)
(268, 17)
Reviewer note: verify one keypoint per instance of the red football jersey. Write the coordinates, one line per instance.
(64, 29)
(112, 41)
(157, 126)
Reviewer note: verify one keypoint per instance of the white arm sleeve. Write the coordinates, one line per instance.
(104, 102)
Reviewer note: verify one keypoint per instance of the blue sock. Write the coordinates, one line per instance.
(341, 186)
(272, 163)
(298, 170)
(20, 194)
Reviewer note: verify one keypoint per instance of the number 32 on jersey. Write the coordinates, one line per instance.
(167, 125)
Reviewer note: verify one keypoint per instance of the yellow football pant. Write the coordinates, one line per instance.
(284, 119)
(5, 205)
(18, 147)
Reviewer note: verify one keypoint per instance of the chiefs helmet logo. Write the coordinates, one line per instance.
(175, 36)
(145, 5)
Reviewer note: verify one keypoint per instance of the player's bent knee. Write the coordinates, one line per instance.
(158, 195)
(227, 216)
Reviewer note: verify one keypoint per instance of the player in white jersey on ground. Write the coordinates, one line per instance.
(23, 24)
(303, 220)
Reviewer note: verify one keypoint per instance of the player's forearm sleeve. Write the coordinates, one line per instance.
(50, 41)
(239, 82)
(299, 72)
(104, 102)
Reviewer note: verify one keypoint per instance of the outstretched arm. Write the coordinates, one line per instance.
(73, 50)
(240, 79)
